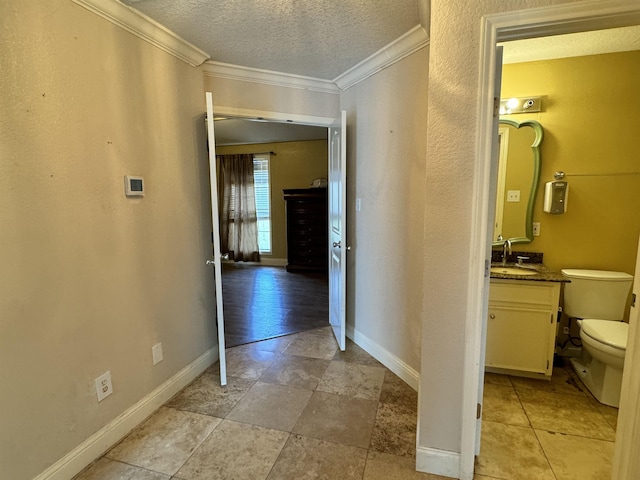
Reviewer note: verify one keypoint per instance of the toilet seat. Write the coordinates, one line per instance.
(612, 334)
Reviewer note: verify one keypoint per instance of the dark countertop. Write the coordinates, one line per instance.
(543, 274)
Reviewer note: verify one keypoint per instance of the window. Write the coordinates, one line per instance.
(263, 200)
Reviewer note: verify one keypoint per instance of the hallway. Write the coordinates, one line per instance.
(295, 407)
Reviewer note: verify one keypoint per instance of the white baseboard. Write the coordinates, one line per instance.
(438, 462)
(98, 443)
(388, 359)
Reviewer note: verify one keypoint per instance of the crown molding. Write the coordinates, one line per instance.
(410, 42)
(267, 77)
(145, 28)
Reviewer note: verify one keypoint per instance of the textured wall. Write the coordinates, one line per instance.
(385, 169)
(90, 280)
(271, 98)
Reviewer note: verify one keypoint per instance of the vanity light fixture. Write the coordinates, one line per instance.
(510, 106)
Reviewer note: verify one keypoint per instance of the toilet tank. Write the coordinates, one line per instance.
(596, 294)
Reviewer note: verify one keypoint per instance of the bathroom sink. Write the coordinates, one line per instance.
(512, 271)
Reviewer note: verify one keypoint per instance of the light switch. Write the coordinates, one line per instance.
(513, 196)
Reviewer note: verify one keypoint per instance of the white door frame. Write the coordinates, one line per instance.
(537, 22)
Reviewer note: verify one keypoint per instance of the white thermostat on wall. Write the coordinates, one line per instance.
(133, 186)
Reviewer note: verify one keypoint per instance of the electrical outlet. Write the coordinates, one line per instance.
(104, 388)
(565, 330)
(156, 352)
(536, 229)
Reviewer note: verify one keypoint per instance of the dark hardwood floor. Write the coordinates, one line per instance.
(265, 302)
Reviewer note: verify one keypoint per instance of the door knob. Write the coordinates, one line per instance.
(209, 262)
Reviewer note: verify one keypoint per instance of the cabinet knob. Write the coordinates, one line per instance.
(492, 316)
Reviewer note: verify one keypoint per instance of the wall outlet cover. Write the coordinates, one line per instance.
(536, 229)
(156, 352)
(104, 387)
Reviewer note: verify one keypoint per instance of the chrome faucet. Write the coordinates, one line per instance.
(506, 250)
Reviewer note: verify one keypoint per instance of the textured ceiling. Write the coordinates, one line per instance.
(314, 38)
(573, 45)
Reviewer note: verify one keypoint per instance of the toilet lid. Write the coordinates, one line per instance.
(610, 333)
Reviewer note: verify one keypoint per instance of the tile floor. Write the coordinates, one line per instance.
(297, 408)
(294, 408)
(539, 430)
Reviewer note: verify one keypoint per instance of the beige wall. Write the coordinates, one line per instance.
(240, 94)
(591, 118)
(449, 185)
(90, 280)
(294, 165)
(385, 169)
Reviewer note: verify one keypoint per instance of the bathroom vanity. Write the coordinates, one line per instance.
(522, 322)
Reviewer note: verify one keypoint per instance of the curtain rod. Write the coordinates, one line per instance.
(249, 153)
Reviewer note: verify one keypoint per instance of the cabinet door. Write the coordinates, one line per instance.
(518, 339)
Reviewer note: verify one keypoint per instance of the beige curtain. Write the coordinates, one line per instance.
(238, 219)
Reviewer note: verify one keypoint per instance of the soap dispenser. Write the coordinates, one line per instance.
(555, 195)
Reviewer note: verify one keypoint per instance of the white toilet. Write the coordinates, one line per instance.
(597, 298)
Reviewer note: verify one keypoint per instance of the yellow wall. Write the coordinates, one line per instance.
(90, 280)
(591, 113)
(295, 165)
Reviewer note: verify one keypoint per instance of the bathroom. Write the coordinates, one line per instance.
(590, 112)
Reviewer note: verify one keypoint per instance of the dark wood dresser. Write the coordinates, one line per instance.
(307, 227)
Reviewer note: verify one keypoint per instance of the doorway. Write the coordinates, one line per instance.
(502, 27)
(264, 300)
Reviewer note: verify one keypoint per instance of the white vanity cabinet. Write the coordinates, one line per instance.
(521, 327)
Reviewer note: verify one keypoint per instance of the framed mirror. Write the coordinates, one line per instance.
(518, 178)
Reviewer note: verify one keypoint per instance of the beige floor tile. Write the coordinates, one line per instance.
(354, 354)
(395, 430)
(571, 414)
(610, 414)
(485, 477)
(396, 390)
(165, 441)
(207, 397)
(577, 458)
(501, 405)
(352, 380)
(323, 332)
(272, 406)
(560, 382)
(339, 419)
(105, 469)
(276, 345)
(248, 364)
(235, 451)
(383, 466)
(305, 458)
(303, 372)
(497, 379)
(313, 344)
(511, 452)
